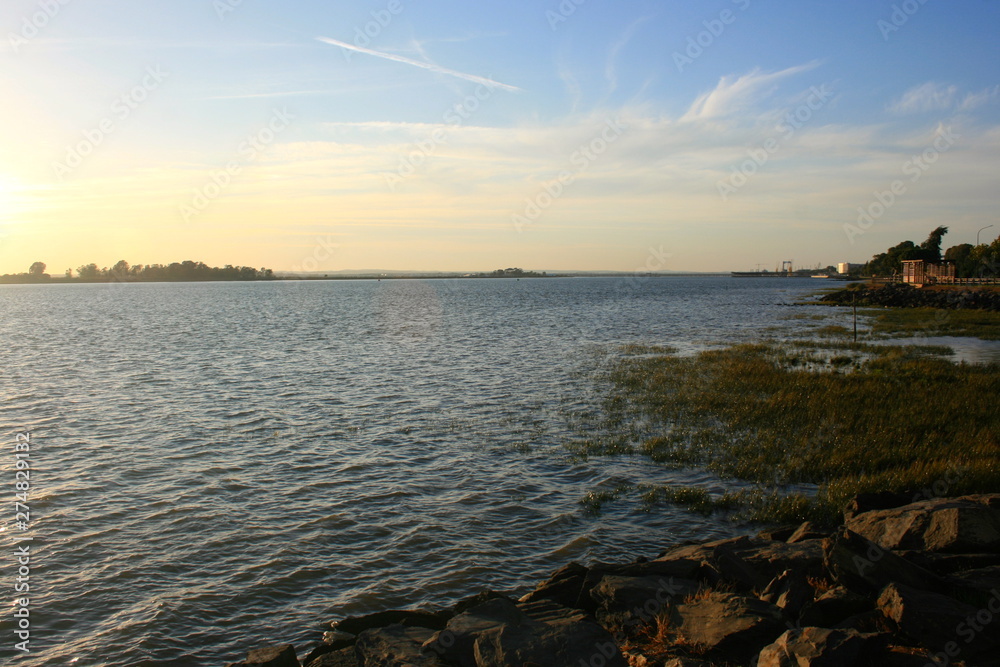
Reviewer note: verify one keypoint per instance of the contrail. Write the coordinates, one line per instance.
(417, 63)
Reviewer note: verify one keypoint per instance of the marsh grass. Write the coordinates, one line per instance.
(935, 322)
(848, 419)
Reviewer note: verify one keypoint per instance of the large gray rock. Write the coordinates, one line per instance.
(815, 647)
(727, 625)
(970, 524)
(395, 646)
(344, 657)
(866, 568)
(270, 656)
(630, 603)
(748, 562)
(942, 623)
(789, 591)
(355, 625)
(833, 607)
(501, 633)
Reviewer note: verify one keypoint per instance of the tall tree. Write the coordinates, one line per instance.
(932, 246)
(37, 270)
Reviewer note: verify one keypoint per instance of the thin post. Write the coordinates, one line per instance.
(854, 305)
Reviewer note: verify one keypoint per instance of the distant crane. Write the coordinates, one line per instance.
(788, 264)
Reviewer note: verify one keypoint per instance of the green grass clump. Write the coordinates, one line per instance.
(898, 419)
(983, 324)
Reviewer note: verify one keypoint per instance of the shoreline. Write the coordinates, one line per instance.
(901, 582)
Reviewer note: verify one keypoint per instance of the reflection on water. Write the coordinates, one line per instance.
(968, 350)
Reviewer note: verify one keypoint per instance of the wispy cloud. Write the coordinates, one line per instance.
(423, 65)
(610, 68)
(975, 100)
(929, 96)
(733, 94)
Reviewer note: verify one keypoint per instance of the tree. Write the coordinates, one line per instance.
(37, 270)
(965, 266)
(88, 272)
(932, 246)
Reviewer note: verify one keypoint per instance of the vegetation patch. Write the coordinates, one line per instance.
(872, 418)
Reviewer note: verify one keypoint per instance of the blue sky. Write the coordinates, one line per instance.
(620, 136)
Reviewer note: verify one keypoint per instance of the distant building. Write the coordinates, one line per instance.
(843, 268)
(919, 272)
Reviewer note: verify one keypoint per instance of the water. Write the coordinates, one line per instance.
(220, 466)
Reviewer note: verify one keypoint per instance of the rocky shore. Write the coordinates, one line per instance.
(902, 582)
(899, 295)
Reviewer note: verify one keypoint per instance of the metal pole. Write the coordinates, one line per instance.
(854, 304)
(977, 233)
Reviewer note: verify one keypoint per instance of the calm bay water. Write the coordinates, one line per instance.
(219, 466)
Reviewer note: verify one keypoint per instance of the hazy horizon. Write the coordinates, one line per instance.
(574, 135)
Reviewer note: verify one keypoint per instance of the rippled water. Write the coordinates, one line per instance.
(218, 466)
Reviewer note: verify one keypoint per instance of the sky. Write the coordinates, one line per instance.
(634, 135)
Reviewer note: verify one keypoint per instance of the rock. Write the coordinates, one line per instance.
(396, 645)
(941, 623)
(789, 591)
(555, 638)
(958, 525)
(746, 562)
(942, 564)
(344, 657)
(779, 534)
(865, 568)
(476, 600)
(627, 603)
(332, 641)
(500, 632)
(833, 607)
(727, 625)
(983, 579)
(816, 647)
(270, 656)
(355, 625)
(564, 587)
(867, 502)
(807, 531)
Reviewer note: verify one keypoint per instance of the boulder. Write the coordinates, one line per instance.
(355, 625)
(970, 524)
(396, 645)
(344, 657)
(833, 607)
(726, 625)
(866, 568)
(807, 531)
(270, 656)
(564, 587)
(626, 603)
(332, 641)
(789, 591)
(816, 647)
(867, 502)
(500, 632)
(941, 623)
(984, 579)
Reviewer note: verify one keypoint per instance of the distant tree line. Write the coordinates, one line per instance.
(186, 271)
(971, 261)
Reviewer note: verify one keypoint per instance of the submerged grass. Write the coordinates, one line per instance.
(860, 418)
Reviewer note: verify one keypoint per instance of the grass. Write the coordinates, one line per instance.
(871, 418)
(983, 324)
